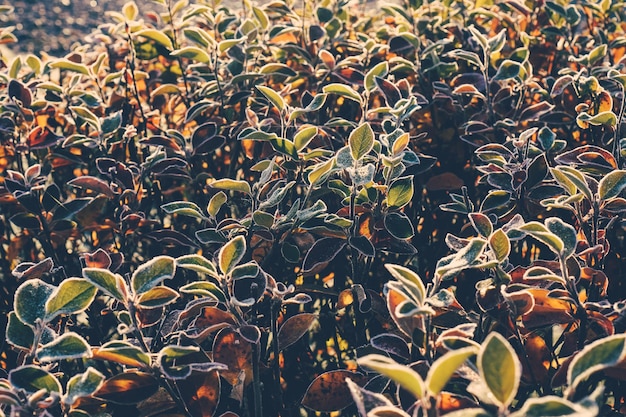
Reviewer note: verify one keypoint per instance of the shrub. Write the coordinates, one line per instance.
(301, 208)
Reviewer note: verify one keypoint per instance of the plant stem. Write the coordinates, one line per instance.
(256, 383)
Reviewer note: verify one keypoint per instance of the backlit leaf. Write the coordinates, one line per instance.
(112, 284)
(361, 141)
(193, 52)
(273, 97)
(544, 235)
(329, 391)
(402, 375)
(197, 263)
(123, 353)
(304, 136)
(548, 406)
(343, 91)
(72, 296)
(294, 328)
(231, 253)
(400, 192)
(231, 349)
(152, 273)
(500, 245)
(410, 280)
(157, 297)
(596, 356)
(499, 368)
(444, 367)
(127, 388)
(205, 289)
(233, 185)
(612, 184)
(565, 232)
(481, 223)
(157, 36)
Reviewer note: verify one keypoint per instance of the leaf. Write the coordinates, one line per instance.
(18, 333)
(127, 388)
(508, 69)
(481, 223)
(543, 234)
(499, 368)
(450, 265)
(82, 385)
(66, 64)
(402, 375)
(152, 272)
(343, 91)
(74, 295)
(157, 297)
(596, 356)
(410, 280)
(93, 184)
(273, 97)
(329, 391)
(231, 349)
(69, 345)
(193, 52)
(294, 328)
(216, 202)
(185, 208)
(30, 300)
(565, 232)
(400, 192)
(112, 284)
(611, 185)
(32, 378)
(548, 406)
(361, 141)
(197, 263)
(500, 245)
(201, 393)
(387, 411)
(233, 185)
(399, 225)
(123, 353)
(321, 253)
(444, 367)
(204, 289)
(379, 70)
(231, 253)
(391, 343)
(157, 36)
(165, 89)
(304, 137)
(607, 118)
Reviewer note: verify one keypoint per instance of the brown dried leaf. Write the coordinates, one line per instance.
(329, 391)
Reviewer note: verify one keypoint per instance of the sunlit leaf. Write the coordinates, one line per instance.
(33, 378)
(400, 192)
(596, 356)
(82, 385)
(273, 97)
(499, 368)
(67, 346)
(444, 367)
(611, 185)
(152, 273)
(127, 388)
(157, 36)
(402, 375)
(72, 296)
(30, 300)
(112, 284)
(361, 141)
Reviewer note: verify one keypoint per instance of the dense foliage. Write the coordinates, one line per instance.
(308, 207)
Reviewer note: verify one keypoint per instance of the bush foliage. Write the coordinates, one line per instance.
(308, 207)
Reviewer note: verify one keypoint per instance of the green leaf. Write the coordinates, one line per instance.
(611, 185)
(152, 272)
(110, 283)
(204, 289)
(30, 300)
(361, 141)
(231, 253)
(399, 225)
(443, 368)
(577, 178)
(157, 297)
(74, 295)
(198, 263)
(123, 353)
(261, 16)
(410, 280)
(284, 146)
(541, 273)
(400, 192)
(225, 45)
(233, 185)
(508, 69)
(481, 223)
(343, 91)
(70, 345)
(499, 368)
(607, 118)
(66, 64)
(379, 70)
(273, 97)
(544, 235)
(597, 54)
(128, 388)
(549, 406)
(216, 202)
(500, 245)
(304, 137)
(402, 375)
(320, 172)
(449, 266)
(193, 52)
(32, 378)
(157, 36)
(82, 385)
(185, 208)
(565, 232)
(596, 356)
(18, 333)
(165, 89)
